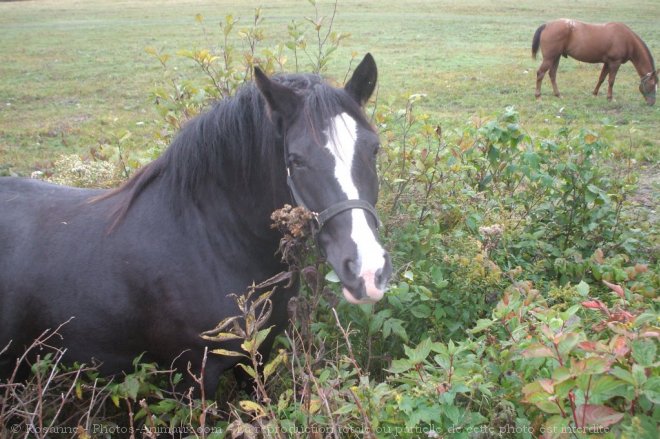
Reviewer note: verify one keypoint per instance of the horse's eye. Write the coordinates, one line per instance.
(295, 162)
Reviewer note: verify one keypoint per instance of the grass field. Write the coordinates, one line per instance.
(74, 74)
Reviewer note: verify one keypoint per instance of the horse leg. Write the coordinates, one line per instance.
(601, 78)
(540, 73)
(614, 68)
(553, 76)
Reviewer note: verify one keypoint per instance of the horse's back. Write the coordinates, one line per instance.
(586, 42)
(39, 243)
(32, 212)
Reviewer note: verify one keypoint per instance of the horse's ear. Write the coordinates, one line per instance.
(282, 102)
(363, 82)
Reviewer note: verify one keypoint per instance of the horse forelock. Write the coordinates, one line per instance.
(322, 106)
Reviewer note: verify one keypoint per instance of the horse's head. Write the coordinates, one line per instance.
(330, 154)
(648, 86)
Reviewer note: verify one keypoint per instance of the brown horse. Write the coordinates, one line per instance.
(612, 44)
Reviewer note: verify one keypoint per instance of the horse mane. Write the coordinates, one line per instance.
(231, 146)
(648, 52)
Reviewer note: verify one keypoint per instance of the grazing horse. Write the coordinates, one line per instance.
(612, 44)
(147, 267)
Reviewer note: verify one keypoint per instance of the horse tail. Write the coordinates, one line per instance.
(536, 42)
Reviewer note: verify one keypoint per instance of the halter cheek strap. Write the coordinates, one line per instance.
(321, 218)
(643, 82)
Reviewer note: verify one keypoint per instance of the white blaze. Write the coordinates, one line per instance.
(341, 144)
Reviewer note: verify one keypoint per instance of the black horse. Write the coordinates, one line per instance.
(147, 267)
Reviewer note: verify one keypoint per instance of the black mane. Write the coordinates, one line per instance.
(232, 146)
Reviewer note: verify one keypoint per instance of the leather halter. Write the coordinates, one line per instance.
(642, 84)
(319, 219)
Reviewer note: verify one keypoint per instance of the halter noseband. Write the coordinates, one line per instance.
(321, 218)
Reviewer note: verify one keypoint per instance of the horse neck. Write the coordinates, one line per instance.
(641, 57)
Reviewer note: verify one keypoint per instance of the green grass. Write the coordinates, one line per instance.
(75, 74)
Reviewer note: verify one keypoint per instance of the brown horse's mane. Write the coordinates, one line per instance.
(648, 52)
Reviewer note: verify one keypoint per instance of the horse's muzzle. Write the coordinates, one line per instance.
(370, 286)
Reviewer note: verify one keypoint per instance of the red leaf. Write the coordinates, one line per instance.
(547, 385)
(621, 316)
(589, 346)
(616, 288)
(619, 345)
(596, 416)
(641, 268)
(596, 304)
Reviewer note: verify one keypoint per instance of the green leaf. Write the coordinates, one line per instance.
(378, 319)
(394, 326)
(273, 364)
(345, 409)
(561, 374)
(556, 427)
(644, 351)
(570, 312)
(590, 366)
(248, 369)
(568, 342)
(437, 278)
(536, 393)
(251, 406)
(651, 389)
(421, 311)
(604, 387)
(639, 375)
(453, 413)
(227, 353)
(622, 374)
(221, 336)
(481, 325)
(420, 352)
(401, 365)
(131, 387)
(332, 277)
(261, 336)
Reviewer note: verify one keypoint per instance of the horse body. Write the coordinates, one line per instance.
(612, 44)
(151, 285)
(149, 266)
